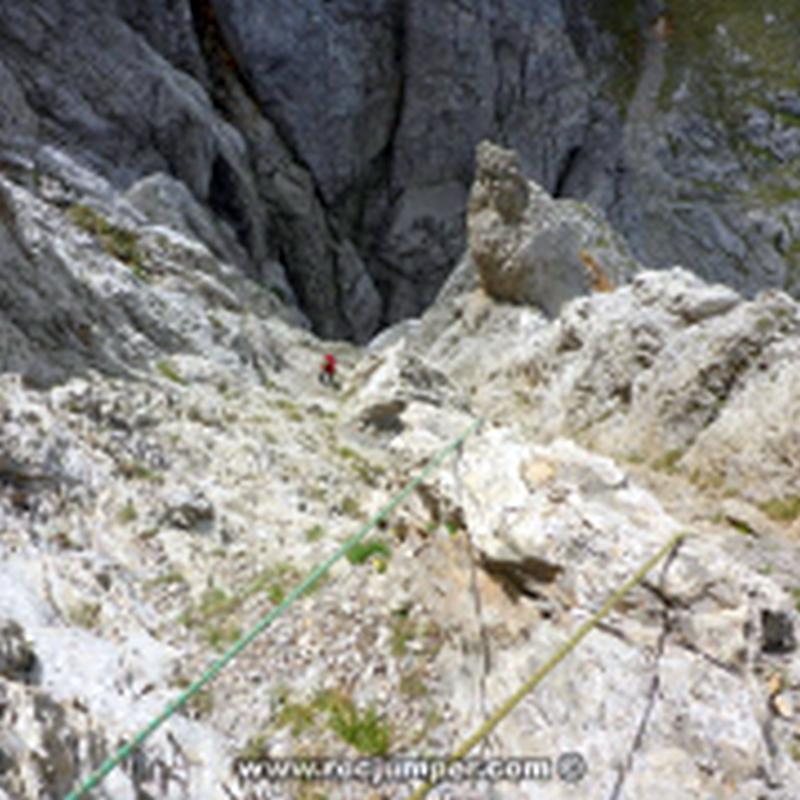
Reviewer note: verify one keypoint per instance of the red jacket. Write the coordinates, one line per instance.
(329, 364)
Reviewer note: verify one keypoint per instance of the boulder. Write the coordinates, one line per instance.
(528, 248)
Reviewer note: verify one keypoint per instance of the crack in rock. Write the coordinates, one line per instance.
(652, 694)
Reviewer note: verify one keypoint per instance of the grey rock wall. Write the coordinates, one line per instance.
(336, 139)
(170, 468)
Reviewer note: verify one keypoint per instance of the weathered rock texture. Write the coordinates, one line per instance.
(333, 143)
(170, 468)
(524, 251)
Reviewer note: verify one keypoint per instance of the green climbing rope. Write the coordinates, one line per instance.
(120, 755)
(508, 706)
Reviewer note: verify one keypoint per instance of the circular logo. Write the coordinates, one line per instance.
(571, 767)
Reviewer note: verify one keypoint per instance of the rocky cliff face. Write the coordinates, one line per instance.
(172, 224)
(170, 468)
(334, 141)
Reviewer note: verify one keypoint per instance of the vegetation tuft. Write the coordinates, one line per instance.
(361, 552)
(119, 243)
(170, 373)
(782, 509)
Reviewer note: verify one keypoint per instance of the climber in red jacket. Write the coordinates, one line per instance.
(327, 370)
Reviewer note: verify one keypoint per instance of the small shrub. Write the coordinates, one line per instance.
(254, 750)
(200, 704)
(740, 526)
(147, 534)
(278, 292)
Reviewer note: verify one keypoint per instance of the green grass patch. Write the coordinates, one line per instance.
(298, 717)
(404, 629)
(782, 509)
(366, 730)
(213, 612)
(707, 481)
(221, 637)
(315, 533)
(168, 371)
(362, 552)
(367, 472)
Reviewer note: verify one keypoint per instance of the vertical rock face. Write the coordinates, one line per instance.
(335, 139)
(168, 458)
(385, 101)
(698, 166)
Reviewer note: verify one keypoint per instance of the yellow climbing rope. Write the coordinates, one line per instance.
(508, 706)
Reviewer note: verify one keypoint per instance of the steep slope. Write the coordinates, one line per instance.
(170, 468)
